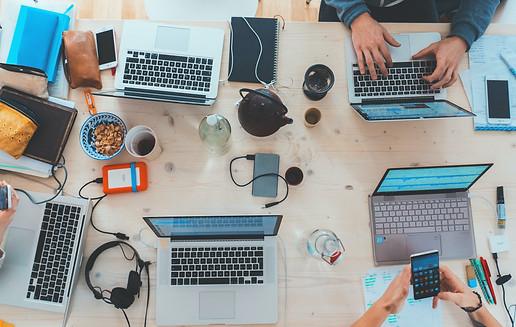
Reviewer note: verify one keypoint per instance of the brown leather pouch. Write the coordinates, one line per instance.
(17, 126)
(80, 59)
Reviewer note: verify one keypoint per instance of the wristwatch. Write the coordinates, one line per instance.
(469, 309)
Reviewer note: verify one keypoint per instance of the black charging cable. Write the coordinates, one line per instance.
(59, 187)
(99, 180)
(251, 157)
(501, 280)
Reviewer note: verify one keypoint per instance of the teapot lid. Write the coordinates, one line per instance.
(265, 95)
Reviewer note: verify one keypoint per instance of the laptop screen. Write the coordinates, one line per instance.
(430, 179)
(216, 227)
(410, 110)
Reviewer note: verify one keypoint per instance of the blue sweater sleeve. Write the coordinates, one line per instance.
(348, 10)
(472, 19)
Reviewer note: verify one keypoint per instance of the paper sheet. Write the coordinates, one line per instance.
(415, 312)
(484, 60)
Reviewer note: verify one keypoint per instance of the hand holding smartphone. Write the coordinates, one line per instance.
(106, 47)
(425, 274)
(498, 104)
(5, 197)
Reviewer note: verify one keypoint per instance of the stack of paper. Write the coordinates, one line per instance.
(415, 312)
(484, 60)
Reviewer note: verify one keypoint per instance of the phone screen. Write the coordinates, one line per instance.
(425, 274)
(498, 99)
(106, 47)
(5, 196)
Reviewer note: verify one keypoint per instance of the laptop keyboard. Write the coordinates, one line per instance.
(404, 78)
(421, 216)
(51, 267)
(168, 71)
(217, 265)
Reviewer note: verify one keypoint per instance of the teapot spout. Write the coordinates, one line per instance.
(286, 120)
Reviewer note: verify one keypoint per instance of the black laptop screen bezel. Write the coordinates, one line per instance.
(213, 237)
(357, 108)
(455, 190)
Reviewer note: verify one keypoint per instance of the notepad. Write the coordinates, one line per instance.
(245, 49)
(37, 39)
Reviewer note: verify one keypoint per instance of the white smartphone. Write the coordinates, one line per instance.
(106, 47)
(498, 104)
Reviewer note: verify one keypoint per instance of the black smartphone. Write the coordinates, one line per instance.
(425, 274)
(5, 197)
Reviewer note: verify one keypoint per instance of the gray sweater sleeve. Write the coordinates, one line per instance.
(348, 10)
(472, 19)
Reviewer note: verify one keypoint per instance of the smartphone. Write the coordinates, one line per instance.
(5, 197)
(106, 47)
(498, 104)
(425, 274)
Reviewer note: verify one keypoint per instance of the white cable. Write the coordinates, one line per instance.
(155, 245)
(231, 53)
(471, 195)
(259, 55)
(286, 280)
(514, 314)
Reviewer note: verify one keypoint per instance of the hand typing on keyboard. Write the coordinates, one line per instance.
(448, 53)
(369, 39)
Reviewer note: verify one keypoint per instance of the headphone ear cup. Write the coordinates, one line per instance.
(134, 283)
(121, 298)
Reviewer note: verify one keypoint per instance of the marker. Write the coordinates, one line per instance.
(500, 202)
(513, 72)
(488, 277)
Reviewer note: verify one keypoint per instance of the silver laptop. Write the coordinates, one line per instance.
(403, 94)
(168, 63)
(43, 250)
(216, 269)
(417, 209)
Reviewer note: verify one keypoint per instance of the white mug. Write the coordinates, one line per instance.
(141, 142)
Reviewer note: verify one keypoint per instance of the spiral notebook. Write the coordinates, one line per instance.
(245, 49)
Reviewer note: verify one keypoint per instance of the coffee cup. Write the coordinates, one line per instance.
(141, 142)
(312, 117)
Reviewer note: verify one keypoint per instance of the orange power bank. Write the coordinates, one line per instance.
(131, 177)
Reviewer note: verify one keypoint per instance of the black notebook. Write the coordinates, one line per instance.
(246, 49)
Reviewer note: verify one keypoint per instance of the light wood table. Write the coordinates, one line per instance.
(343, 158)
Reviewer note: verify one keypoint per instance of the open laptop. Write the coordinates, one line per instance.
(417, 209)
(402, 95)
(168, 63)
(43, 252)
(216, 269)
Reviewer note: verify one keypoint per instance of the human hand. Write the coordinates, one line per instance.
(6, 216)
(369, 39)
(394, 297)
(448, 54)
(454, 290)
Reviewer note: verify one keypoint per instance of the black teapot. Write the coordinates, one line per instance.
(261, 112)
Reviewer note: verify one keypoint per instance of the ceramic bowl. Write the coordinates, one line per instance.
(87, 138)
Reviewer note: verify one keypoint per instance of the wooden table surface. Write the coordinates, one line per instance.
(342, 158)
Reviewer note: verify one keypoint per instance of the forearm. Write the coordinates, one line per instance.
(375, 316)
(472, 19)
(484, 318)
(348, 10)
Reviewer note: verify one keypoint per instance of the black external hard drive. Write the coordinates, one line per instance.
(266, 186)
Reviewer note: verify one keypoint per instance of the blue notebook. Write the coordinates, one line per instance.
(37, 39)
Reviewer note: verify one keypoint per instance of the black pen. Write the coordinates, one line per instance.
(501, 207)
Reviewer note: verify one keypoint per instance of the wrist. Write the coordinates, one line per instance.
(459, 41)
(361, 19)
(477, 303)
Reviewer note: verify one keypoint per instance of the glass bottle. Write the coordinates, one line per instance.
(215, 132)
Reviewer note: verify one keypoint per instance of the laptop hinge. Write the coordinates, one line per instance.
(398, 100)
(216, 239)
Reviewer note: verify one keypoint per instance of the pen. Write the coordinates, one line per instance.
(513, 72)
(89, 101)
(479, 271)
(500, 202)
(488, 277)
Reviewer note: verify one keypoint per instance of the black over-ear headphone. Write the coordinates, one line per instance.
(120, 297)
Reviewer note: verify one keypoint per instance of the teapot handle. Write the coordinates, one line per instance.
(263, 95)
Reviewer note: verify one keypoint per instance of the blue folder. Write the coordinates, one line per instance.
(37, 39)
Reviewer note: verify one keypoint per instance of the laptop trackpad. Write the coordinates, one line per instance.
(19, 246)
(217, 305)
(423, 242)
(401, 53)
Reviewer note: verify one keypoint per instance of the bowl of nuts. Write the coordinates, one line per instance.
(102, 136)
